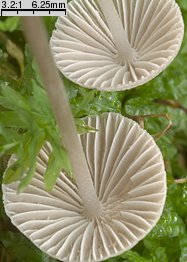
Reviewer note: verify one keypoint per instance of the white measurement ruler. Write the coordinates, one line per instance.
(33, 8)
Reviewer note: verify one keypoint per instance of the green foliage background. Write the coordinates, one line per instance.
(22, 98)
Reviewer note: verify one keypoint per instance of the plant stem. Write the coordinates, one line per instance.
(37, 38)
(140, 119)
(116, 28)
(181, 181)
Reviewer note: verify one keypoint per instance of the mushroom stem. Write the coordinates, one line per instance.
(37, 38)
(116, 28)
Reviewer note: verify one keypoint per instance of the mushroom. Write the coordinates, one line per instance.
(128, 175)
(120, 187)
(115, 45)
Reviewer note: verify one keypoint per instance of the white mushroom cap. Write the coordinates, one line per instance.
(86, 52)
(128, 175)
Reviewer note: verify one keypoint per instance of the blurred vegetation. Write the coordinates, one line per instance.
(22, 97)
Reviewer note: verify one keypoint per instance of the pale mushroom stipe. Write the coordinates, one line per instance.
(114, 45)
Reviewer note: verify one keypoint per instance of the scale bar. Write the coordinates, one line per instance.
(58, 12)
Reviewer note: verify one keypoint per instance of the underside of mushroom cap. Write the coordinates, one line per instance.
(130, 181)
(85, 52)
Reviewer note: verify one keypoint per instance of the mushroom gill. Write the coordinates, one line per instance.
(114, 45)
(129, 179)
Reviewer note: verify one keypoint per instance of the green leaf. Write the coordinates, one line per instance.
(11, 119)
(12, 173)
(11, 99)
(58, 161)
(19, 248)
(159, 254)
(183, 4)
(10, 24)
(31, 155)
(170, 225)
(28, 177)
(50, 23)
(183, 245)
(9, 135)
(6, 148)
(132, 256)
(129, 256)
(82, 128)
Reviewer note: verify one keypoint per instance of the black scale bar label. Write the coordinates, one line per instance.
(33, 8)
